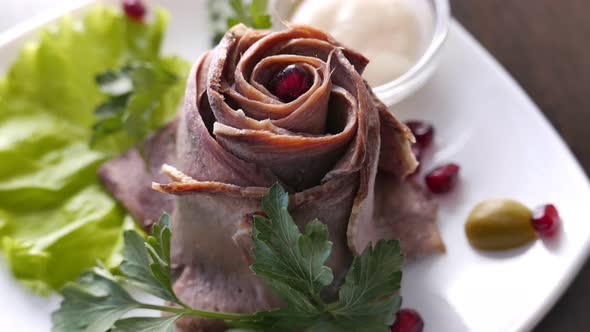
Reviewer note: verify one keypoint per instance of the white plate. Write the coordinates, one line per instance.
(486, 123)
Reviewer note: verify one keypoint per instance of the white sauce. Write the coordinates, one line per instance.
(393, 34)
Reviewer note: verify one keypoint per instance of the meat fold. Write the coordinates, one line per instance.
(129, 176)
(339, 152)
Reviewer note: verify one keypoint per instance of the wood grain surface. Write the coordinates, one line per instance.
(545, 45)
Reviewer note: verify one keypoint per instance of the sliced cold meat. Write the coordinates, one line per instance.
(335, 147)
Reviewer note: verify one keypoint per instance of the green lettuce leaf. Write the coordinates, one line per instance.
(55, 218)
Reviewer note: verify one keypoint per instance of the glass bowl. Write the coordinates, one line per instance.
(414, 78)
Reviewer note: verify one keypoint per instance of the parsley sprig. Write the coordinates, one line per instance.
(252, 13)
(133, 101)
(290, 262)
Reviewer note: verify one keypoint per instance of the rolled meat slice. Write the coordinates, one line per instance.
(336, 148)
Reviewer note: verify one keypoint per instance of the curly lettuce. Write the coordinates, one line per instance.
(55, 218)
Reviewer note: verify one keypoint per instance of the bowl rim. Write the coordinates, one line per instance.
(410, 81)
(442, 16)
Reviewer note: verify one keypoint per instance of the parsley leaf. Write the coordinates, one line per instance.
(373, 274)
(287, 257)
(252, 13)
(366, 300)
(134, 101)
(147, 264)
(258, 11)
(290, 262)
(146, 324)
(92, 304)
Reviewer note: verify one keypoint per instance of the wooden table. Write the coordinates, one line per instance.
(545, 45)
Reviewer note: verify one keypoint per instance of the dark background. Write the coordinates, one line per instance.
(545, 45)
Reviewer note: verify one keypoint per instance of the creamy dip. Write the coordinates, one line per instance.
(393, 34)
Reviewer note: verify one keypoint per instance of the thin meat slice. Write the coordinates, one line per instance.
(406, 212)
(235, 291)
(128, 177)
(396, 155)
(330, 202)
(298, 161)
(214, 275)
(199, 154)
(259, 103)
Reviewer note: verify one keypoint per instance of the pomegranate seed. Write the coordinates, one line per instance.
(546, 220)
(408, 320)
(424, 132)
(134, 9)
(443, 178)
(290, 83)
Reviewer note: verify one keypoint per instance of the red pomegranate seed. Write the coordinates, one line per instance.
(134, 9)
(408, 320)
(424, 132)
(546, 220)
(443, 178)
(290, 83)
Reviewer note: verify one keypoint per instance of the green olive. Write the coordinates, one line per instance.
(499, 224)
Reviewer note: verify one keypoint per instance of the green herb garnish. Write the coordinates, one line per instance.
(292, 263)
(252, 13)
(56, 219)
(134, 101)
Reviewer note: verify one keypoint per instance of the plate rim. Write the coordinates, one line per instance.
(30, 25)
(22, 32)
(555, 293)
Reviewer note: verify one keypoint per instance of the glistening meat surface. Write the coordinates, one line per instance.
(328, 147)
